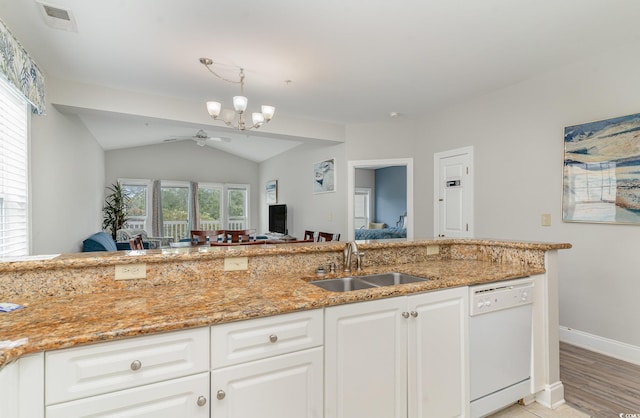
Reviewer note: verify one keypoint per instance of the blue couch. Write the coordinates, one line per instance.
(101, 241)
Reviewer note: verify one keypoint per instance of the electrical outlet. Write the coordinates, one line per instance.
(236, 263)
(131, 271)
(433, 249)
(546, 219)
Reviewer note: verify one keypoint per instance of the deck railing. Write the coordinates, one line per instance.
(180, 229)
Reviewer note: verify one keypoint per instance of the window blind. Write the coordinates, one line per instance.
(14, 185)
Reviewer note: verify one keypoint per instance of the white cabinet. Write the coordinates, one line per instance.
(185, 397)
(398, 357)
(164, 375)
(285, 386)
(268, 367)
(22, 388)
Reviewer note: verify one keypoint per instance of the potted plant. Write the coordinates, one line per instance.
(115, 209)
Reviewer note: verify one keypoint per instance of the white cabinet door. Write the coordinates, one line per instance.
(438, 365)
(285, 386)
(185, 397)
(22, 388)
(365, 360)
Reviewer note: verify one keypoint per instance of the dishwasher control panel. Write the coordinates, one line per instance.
(495, 296)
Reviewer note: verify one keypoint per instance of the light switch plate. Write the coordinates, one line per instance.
(546, 219)
(236, 263)
(131, 271)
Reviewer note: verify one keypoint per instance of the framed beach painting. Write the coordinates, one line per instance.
(324, 176)
(601, 181)
(271, 191)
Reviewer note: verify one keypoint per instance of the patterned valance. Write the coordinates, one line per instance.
(18, 67)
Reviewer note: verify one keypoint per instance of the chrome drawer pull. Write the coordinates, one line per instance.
(220, 395)
(414, 314)
(136, 365)
(273, 338)
(202, 401)
(405, 314)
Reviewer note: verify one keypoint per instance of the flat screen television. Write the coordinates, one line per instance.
(278, 219)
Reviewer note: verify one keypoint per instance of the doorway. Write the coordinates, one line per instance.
(453, 193)
(407, 219)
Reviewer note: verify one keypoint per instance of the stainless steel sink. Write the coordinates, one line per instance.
(347, 284)
(390, 279)
(344, 284)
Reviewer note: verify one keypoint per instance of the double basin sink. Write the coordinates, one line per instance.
(346, 284)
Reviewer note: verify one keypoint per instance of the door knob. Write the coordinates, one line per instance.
(202, 401)
(405, 314)
(220, 394)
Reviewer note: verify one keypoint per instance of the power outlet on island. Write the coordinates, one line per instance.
(131, 271)
(236, 263)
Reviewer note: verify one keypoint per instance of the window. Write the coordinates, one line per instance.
(138, 192)
(237, 206)
(361, 207)
(175, 209)
(14, 185)
(210, 206)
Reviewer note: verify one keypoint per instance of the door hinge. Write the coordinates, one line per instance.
(467, 171)
(441, 200)
(467, 227)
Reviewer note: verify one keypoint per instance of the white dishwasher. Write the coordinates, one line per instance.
(499, 344)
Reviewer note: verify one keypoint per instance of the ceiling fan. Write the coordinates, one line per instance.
(201, 138)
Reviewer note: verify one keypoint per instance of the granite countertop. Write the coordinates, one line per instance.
(49, 323)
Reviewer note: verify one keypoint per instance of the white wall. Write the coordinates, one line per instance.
(67, 183)
(517, 134)
(185, 161)
(306, 211)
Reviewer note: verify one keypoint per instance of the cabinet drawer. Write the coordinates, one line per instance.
(87, 371)
(264, 337)
(183, 397)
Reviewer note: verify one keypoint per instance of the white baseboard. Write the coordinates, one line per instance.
(611, 348)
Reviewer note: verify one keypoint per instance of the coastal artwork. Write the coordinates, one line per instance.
(271, 192)
(602, 171)
(324, 174)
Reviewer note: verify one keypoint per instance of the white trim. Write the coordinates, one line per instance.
(351, 180)
(552, 396)
(606, 346)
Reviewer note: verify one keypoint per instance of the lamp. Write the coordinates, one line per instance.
(228, 116)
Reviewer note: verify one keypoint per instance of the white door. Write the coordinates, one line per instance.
(285, 386)
(365, 360)
(453, 193)
(438, 354)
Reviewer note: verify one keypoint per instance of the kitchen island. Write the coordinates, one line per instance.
(73, 300)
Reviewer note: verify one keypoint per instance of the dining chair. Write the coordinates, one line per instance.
(328, 236)
(238, 235)
(198, 237)
(309, 235)
(136, 243)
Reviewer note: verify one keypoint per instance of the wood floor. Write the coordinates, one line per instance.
(598, 385)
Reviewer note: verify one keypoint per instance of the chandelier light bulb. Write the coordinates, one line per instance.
(214, 108)
(267, 112)
(240, 103)
(258, 119)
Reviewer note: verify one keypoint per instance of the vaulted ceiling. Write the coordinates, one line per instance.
(340, 61)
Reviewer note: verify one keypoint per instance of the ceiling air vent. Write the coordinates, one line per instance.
(57, 18)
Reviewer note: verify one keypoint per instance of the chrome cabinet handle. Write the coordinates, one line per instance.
(414, 314)
(202, 401)
(136, 365)
(405, 314)
(273, 338)
(220, 394)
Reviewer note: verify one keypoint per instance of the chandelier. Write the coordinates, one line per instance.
(236, 117)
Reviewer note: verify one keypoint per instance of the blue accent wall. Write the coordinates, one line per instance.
(391, 194)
